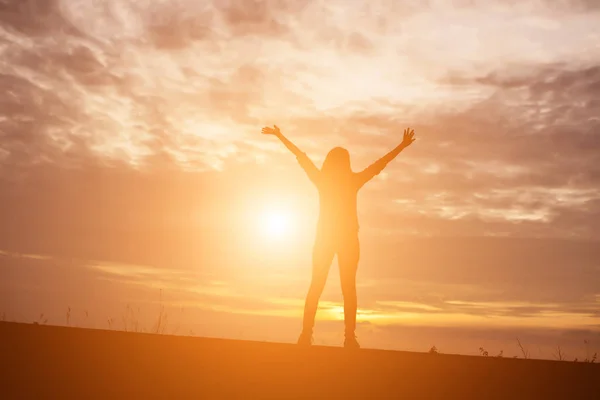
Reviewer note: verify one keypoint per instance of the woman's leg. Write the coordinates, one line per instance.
(323, 253)
(348, 256)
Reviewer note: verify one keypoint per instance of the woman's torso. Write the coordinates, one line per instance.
(338, 214)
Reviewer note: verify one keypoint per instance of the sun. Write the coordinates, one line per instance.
(277, 224)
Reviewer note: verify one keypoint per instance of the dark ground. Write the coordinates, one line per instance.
(43, 362)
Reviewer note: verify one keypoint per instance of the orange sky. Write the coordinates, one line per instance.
(131, 160)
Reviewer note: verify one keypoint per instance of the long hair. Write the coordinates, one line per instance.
(337, 162)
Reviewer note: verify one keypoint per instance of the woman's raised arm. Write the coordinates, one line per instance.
(374, 169)
(305, 162)
(277, 133)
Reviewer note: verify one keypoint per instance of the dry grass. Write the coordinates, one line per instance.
(558, 355)
(524, 351)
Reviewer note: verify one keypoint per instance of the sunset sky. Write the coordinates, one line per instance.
(131, 161)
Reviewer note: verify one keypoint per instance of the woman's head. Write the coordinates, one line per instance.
(337, 161)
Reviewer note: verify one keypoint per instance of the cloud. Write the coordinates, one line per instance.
(424, 303)
(34, 18)
(188, 82)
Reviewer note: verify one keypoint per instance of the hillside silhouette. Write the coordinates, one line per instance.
(61, 362)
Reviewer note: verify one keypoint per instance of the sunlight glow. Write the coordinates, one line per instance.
(277, 224)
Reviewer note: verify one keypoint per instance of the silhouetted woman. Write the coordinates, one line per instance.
(337, 229)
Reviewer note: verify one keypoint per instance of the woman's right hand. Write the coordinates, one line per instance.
(408, 137)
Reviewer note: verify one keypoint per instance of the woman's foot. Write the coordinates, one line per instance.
(305, 339)
(350, 342)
